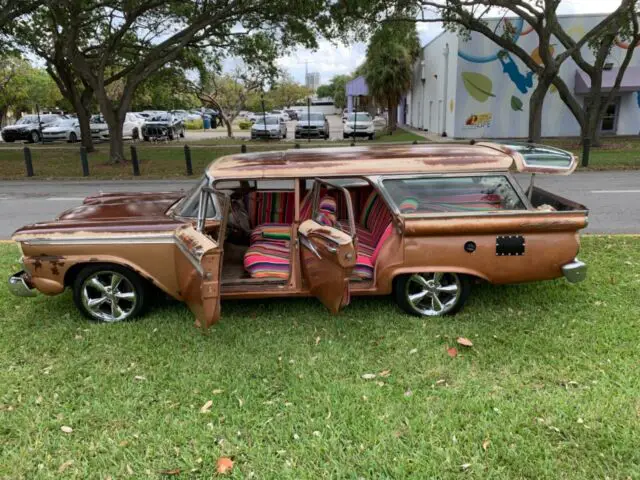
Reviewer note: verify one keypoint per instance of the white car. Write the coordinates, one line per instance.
(358, 124)
(67, 130)
(132, 127)
(282, 114)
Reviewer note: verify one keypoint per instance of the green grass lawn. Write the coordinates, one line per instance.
(550, 388)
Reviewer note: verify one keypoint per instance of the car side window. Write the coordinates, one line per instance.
(479, 193)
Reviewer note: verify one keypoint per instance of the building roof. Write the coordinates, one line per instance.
(630, 80)
(378, 160)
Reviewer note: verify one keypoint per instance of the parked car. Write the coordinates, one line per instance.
(67, 130)
(163, 125)
(99, 127)
(419, 222)
(131, 128)
(312, 125)
(275, 127)
(358, 124)
(281, 113)
(28, 128)
(293, 115)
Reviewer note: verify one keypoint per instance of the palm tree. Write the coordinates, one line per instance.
(388, 68)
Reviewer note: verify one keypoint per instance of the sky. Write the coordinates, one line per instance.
(330, 59)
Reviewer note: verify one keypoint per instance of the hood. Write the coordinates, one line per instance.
(23, 126)
(313, 123)
(122, 206)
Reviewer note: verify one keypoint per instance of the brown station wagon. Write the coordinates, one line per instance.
(421, 222)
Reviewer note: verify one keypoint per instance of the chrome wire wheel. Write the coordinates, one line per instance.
(109, 296)
(433, 294)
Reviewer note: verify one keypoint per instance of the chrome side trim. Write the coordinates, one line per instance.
(196, 264)
(575, 271)
(95, 239)
(18, 285)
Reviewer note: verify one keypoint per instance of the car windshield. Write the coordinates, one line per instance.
(162, 117)
(269, 120)
(476, 193)
(314, 117)
(67, 122)
(361, 117)
(27, 119)
(97, 119)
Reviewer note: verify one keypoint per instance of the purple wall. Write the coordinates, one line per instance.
(356, 87)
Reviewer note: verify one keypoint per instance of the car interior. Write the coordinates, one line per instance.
(259, 232)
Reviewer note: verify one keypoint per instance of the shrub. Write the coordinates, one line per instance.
(193, 124)
(244, 124)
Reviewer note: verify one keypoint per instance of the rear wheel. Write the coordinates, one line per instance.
(182, 133)
(371, 136)
(431, 294)
(34, 137)
(108, 293)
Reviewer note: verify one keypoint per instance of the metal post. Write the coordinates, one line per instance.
(264, 115)
(134, 161)
(187, 159)
(355, 116)
(586, 149)
(84, 161)
(308, 119)
(27, 161)
(39, 123)
(243, 147)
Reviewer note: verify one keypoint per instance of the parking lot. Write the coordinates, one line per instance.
(335, 128)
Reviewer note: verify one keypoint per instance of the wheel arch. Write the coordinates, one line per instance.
(149, 279)
(392, 277)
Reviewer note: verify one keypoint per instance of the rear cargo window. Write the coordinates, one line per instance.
(453, 194)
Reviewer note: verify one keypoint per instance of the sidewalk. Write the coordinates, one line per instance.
(432, 137)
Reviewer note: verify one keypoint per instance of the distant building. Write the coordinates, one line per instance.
(471, 88)
(312, 80)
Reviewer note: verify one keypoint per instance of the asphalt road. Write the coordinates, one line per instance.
(613, 198)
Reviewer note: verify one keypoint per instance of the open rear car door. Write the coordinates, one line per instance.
(198, 260)
(328, 254)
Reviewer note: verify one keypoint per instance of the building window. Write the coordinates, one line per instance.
(610, 118)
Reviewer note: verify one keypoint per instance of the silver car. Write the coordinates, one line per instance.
(312, 125)
(269, 126)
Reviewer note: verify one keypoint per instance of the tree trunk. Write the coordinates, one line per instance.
(84, 118)
(227, 123)
(116, 143)
(535, 108)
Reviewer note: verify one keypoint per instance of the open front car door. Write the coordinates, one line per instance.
(327, 253)
(198, 260)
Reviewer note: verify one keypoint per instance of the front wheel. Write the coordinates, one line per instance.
(108, 293)
(182, 133)
(371, 136)
(431, 294)
(135, 134)
(34, 137)
(73, 138)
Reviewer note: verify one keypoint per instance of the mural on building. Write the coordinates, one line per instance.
(493, 81)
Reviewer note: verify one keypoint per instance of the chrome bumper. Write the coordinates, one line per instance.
(18, 285)
(575, 271)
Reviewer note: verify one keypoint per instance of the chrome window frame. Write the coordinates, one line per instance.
(378, 180)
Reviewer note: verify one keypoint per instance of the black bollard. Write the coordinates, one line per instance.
(187, 159)
(134, 161)
(243, 148)
(84, 161)
(27, 161)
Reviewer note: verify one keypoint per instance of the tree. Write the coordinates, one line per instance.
(286, 92)
(339, 95)
(166, 89)
(22, 87)
(228, 93)
(107, 41)
(325, 91)
(391, 53)
(464, 16)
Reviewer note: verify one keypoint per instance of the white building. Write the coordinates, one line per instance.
(470, 88)
(312, 80)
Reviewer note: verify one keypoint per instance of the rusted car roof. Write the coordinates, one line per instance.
(341, 161)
